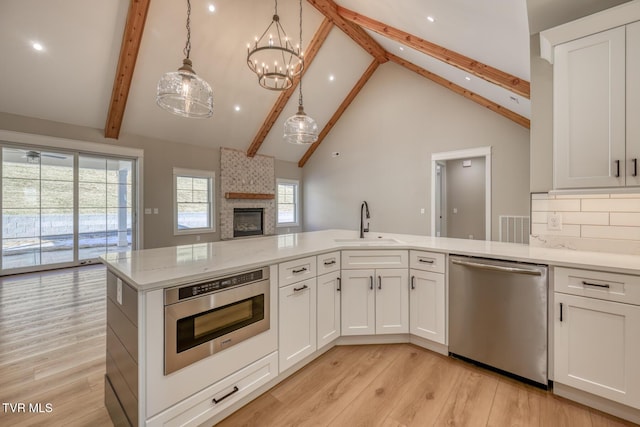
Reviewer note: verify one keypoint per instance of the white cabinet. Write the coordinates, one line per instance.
(597, 340)
(427, 296)
(375, 300)
(594, 88)
(328, 327)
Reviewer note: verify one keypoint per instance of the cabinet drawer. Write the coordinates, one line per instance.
(598, 284)
(328, 263)
(427, 261)
(294, 271)
(212, 400)
(375, 259)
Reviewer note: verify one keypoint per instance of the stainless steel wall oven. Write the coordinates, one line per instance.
(206, 317)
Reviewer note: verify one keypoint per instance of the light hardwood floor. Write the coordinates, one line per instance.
(52, 347)
(52, 350)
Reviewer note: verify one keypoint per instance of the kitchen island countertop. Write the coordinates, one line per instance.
(164, 267)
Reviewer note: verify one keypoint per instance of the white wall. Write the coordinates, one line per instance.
(385, 140)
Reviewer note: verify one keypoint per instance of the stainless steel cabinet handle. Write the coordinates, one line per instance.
(300, 289)
(617, 168)
(426, 261)
(371, 282)
(597, 285)
(339, 284)
(299, 271)
(497, 268)
(333, 261)
(235, 390)
(413, 282)
(379, 282)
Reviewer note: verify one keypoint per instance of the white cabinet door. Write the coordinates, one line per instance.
(427, 305)
(597, 347)
(297, 322)
(633, 104)
(328, 308)
(589, 111)
(358, 302)
(392, 301)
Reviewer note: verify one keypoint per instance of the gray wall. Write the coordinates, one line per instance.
(385, 140)
(160, 157)
(542, 16)
(465, 194)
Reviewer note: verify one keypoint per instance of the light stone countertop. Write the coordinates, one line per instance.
(151, 269)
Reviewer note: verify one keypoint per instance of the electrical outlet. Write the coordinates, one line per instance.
(554, 222)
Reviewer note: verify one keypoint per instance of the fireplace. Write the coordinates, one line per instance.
(248, 222)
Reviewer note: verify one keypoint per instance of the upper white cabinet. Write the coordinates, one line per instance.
(596, 102)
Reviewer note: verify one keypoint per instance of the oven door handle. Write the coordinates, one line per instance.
(235, 390)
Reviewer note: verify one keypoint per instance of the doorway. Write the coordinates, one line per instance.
(461, 194)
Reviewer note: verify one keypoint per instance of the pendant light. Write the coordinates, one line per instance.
(300, 128)
(273, 58)
(183, 92)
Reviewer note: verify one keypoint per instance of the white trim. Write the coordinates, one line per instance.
(195, 173)
(296, 212)
(69, 144)
(462, 154)
(598, 22)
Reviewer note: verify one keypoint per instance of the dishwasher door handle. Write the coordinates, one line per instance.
(481, 266)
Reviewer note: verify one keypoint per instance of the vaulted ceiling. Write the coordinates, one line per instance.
(478, 49)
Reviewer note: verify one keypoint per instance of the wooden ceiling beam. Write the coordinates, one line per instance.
(341, 109)
(318, 39)
(330, 10)
(521, 120)
(484, 71)
(133, 29)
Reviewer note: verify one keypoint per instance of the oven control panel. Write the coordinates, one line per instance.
(190, 291)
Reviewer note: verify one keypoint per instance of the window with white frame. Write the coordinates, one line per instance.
(193, 201)
(287, 202)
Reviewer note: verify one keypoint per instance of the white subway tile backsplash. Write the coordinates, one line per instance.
(567, 230)
(587, 218)
(571, 205)
(611, 205)
(582, 196)
(540, 196)
(611, 232)
(630, 219)
(539, 217)
(626, 196)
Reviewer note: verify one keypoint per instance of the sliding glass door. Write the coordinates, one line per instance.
(63, 208)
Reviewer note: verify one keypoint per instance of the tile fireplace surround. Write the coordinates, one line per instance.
(242, 174)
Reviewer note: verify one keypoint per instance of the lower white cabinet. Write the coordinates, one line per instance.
(375, 301)
(427, 309)
(328, 327)
(297, 322)
(597, 347)
(204, 405)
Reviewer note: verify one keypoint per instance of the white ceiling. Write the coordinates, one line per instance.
(71, 79)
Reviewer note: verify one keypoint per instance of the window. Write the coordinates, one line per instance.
(193, 201)
(287, 203)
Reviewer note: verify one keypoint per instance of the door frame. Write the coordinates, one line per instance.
(464, 154)
(84, 147)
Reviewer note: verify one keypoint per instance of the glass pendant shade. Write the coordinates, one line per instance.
(184, 93)
(300, 128)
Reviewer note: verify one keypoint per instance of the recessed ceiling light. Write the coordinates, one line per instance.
(212, 7)
(237, 108)
(37, 46)
(431, 19)
(331, 77)
(467, 78)
(401, 48)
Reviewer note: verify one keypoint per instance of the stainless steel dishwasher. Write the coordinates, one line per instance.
(498, 315)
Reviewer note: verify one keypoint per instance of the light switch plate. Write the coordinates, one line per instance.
(119, 291)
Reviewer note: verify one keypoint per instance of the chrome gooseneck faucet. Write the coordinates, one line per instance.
(364, 210)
